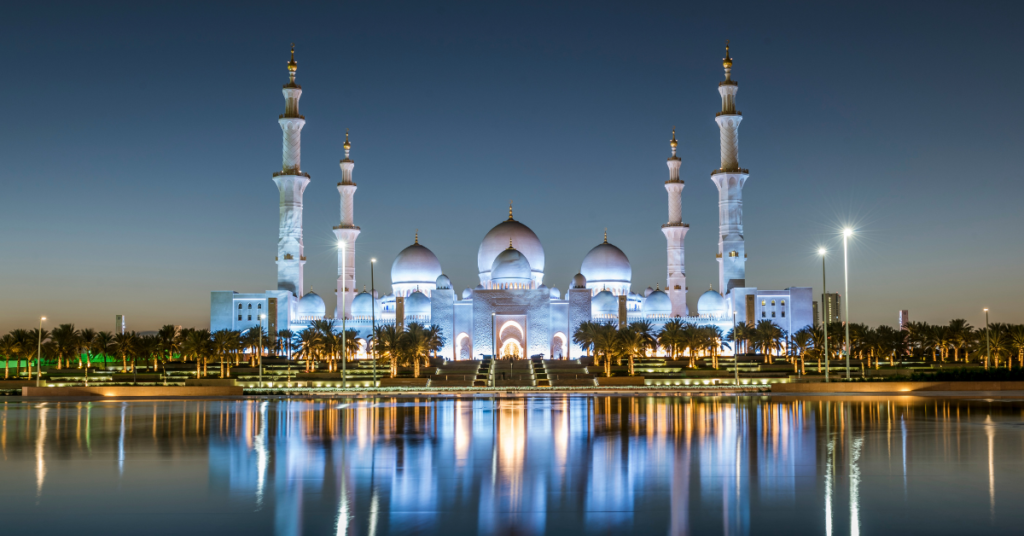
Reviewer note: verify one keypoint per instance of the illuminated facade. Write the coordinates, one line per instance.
(511, 311)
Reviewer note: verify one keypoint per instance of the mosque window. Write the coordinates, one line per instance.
(250, 317)
(783, 314)
(239, 316)
(773, 314)
(259, 305)
(250, 306)
(762, 303)
(773, 303)
(763, 314)
(239, 306)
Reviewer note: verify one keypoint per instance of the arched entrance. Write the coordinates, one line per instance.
(463, 347)
(511, 349)
(558, 346)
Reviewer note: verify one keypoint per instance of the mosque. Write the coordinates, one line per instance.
(512, 312)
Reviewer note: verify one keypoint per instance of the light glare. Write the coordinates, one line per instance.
(847, 232)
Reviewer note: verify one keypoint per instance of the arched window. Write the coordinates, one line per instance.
(763, 314)
(250, 306)
(762, 303)
(773, 303)
(783, 303)
(259, 305)
(239, 306)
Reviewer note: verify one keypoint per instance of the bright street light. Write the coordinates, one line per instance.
(824, 308)
(847, 233)
(988, 352)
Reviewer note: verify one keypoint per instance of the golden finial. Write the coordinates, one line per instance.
(417, 240)
(727, 61)
(346, 145)
(605, 235)
(292, 65)
(510, 243)
(510, 213)
(657, 286)
(673, 142)
(710, 287)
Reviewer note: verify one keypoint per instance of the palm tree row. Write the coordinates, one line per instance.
(406, 348)
(637, 339)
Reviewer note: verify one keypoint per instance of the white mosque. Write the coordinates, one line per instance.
(511, 311)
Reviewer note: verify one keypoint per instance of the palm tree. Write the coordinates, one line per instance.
(87, 337)
(285, 336)
(124, 343)
(435, 339)
(999, 343)
(606, 342)
(585, 334)
(636, 339)
(1017, 339)
(959, 333)
(65, 338)
(769, 338)
(102, 344)
(149, 347)
(802, 341)
(222, 344)
(9, 347)
(415, 339)
(169, 343)
(671, 335)
(917, 334)
(197, 345)
(310, 341)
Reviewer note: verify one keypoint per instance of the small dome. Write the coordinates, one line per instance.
(467, 294)
(417, 304)
(312, 304)
(443, 282)
(657, 303)
(510, 266)
(555, 293)
(363, 304)
(605, 303)
(648, 291)
(711, 303)
(523, 239)
(415, 265)
(606, 264)
(578, 281)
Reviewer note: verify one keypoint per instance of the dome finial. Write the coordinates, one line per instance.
(346, 145)
(292, 64)
(657, 286)
(605, 235)
(417, 239)
(510, 243)
(673, 143)
(510, 210)
(727, 62)
(710, 287)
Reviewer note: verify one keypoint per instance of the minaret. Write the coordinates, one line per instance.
(291, 183)
(675, 234)
(730, 179)
(346, 233)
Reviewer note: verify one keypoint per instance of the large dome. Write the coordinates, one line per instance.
(606, 264)
(711, 303)
(523, 239)
(415, 265)
(417, 304)
(312, 304)
(604, 303)
(363, 306)
(657, 304)
(510, 266)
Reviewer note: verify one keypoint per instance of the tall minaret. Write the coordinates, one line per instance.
(675, 234)
(730, 179)
(346, 234)
(291, 183)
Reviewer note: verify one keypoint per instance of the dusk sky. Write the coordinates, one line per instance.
(142, 137)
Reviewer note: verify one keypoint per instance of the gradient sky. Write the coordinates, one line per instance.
(141, 139)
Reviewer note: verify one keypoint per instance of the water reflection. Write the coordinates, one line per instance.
(591, 465)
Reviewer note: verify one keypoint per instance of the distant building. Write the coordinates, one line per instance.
(814, 314)
(904, 318)
(119, 324)
(831, 309)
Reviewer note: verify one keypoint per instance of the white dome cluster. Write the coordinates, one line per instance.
(523, 239)
(511, 267)
(711, 303)
(311, 305)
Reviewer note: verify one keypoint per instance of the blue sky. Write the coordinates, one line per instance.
(141, 139)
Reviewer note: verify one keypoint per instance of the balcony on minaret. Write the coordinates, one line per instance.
(343, 226)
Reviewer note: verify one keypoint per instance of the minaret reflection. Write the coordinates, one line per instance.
(990, 433)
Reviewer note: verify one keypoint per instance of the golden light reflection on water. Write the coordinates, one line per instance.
(515, 465)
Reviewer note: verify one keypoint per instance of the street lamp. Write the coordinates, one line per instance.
(39, 354)
(988, 352)
(735, 354)
(824, 308)
(847, 233)
(259, 358)
(373, 322)
(341, 311)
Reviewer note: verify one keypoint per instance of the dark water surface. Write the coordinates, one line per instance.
(558, 465)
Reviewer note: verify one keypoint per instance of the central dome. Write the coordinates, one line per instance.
(523, 239)
(511, 266)
(416, 265)
(606, 264)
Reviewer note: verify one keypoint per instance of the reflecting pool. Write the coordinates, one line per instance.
(514, 466)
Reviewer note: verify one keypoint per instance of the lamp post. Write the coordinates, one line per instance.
(373, 322)
(494, 347)
(988, 351)
(259, 356)
(847, 233)
(341, 311)
(39, 353)
(824, 308)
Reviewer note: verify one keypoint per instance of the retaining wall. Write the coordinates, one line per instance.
(132, 391)
(894, 387)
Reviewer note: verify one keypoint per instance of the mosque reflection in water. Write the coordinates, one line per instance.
(580, 464)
